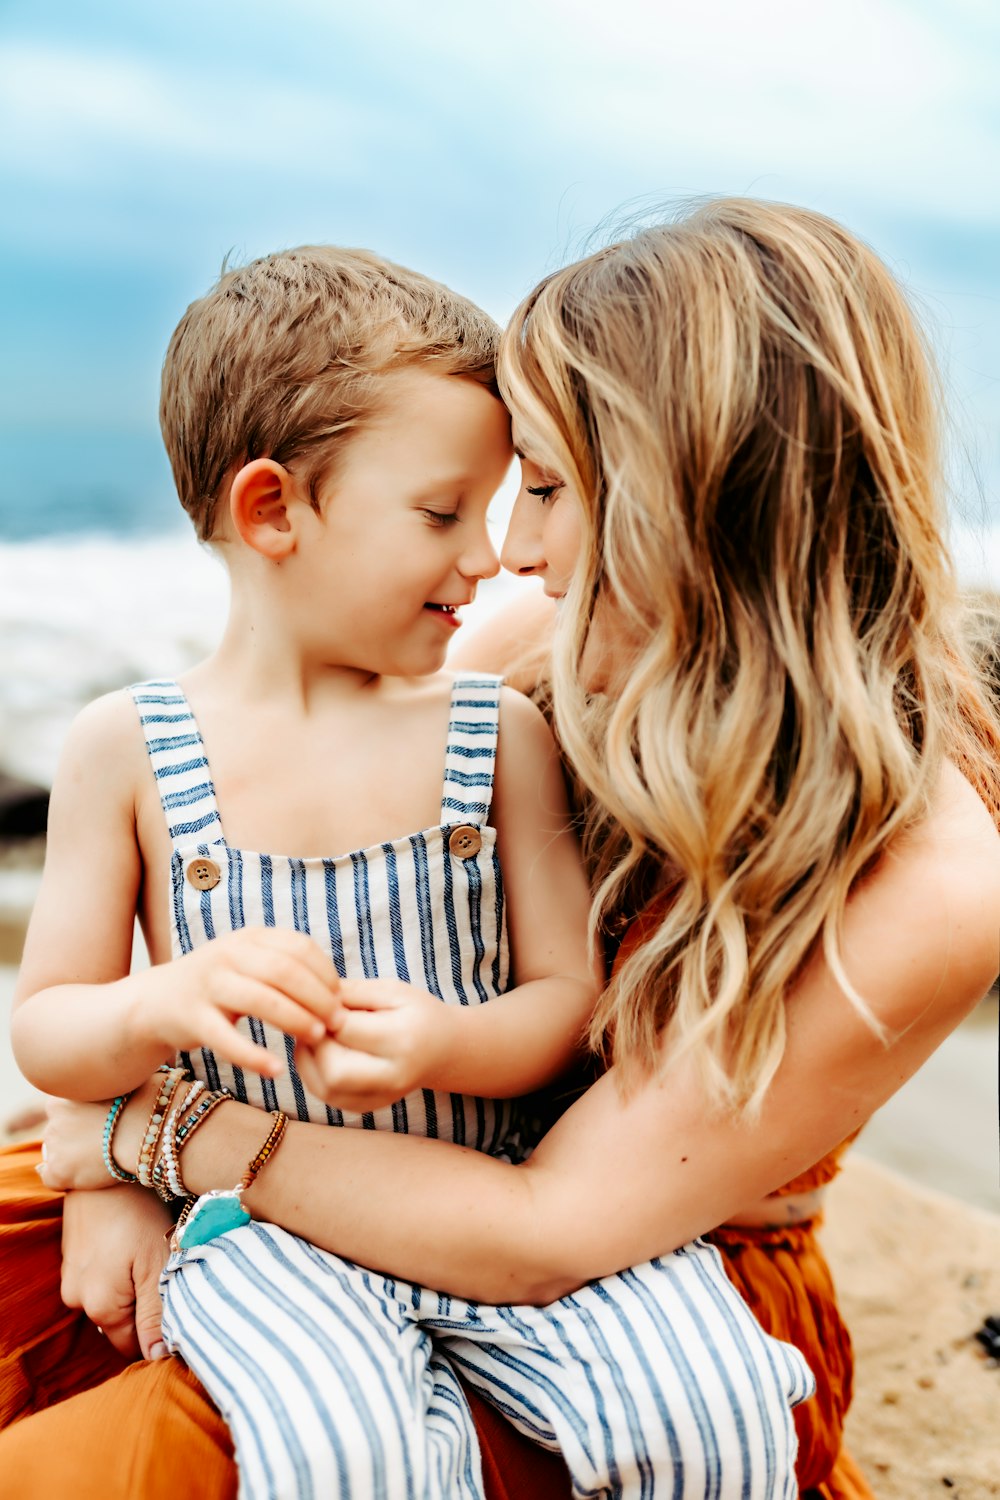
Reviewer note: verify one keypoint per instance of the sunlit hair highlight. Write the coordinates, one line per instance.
(282, 359)
(746, 406)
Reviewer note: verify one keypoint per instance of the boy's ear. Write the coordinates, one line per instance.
(259, 501)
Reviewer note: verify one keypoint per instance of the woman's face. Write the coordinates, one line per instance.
(544, 540)
(545, 531)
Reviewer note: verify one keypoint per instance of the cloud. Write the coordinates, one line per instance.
(881, 99)
(67, 110)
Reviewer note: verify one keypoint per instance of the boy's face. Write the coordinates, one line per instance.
(401, 543)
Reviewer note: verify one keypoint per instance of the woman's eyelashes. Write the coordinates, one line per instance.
(441, 517)
(543, 492)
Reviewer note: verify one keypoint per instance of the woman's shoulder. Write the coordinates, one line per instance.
(513, 641)
(929, 913)
(957, 841)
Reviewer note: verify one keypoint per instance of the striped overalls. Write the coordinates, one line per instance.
(339, 1383)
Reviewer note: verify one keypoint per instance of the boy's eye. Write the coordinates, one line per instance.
(543, 492)
(441, 517)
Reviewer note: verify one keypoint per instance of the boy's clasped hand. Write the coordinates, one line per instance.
(361, 1044)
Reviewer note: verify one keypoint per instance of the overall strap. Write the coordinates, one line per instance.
(179, 763)
(472, 747)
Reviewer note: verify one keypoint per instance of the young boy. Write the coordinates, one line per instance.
(336, 437)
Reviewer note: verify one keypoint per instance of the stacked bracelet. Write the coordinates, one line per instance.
(110, 1126)
(197, 1116)
(166, 1175)
(154, 1126)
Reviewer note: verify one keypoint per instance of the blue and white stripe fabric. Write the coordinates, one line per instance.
(339, 1383)
(409, 909)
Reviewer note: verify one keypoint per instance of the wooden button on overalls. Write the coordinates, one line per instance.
(465, 841)
(203, 874)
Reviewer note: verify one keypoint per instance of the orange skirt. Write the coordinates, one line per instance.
(78, 1419)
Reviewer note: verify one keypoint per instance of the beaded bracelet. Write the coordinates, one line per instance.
(266, 1151)
(166, 1177)
(200, 1113)
(110, 1126)
(154, 1126)
(215, 1213)
(179, 1127)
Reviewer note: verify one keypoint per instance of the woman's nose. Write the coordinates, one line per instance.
(521, 552)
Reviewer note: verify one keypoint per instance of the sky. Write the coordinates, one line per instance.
(482, 144)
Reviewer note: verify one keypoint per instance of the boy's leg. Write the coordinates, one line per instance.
(328, 1384)
(654, 1381)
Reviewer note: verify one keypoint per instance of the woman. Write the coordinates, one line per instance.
(730, 477)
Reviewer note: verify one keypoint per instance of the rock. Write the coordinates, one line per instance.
(24, 808)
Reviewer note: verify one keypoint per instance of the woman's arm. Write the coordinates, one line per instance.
(617, 1181)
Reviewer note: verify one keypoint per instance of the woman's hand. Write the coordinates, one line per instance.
(72, 1149)
(113, 1252)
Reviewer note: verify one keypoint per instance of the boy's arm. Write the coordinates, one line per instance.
(82, 1027)
(69, 1026)
(393, 1037)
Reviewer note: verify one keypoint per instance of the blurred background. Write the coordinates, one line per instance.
(139, 146)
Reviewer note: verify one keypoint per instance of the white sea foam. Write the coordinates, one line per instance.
(81, 616)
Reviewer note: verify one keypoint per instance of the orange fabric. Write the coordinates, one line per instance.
(77, 1419)
(783, 1276)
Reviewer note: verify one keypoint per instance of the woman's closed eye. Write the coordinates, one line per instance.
(543, 492)
(441, 517)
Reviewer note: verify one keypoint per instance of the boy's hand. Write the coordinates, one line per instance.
(390, 1038)
(281, 977)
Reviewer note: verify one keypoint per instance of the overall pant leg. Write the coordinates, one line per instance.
(654, 1382)
(330, 1387)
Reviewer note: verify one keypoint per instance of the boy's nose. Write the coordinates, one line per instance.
(481, 561)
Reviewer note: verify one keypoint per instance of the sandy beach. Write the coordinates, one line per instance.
(912, 1232)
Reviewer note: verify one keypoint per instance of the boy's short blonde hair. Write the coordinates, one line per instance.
(281, 360)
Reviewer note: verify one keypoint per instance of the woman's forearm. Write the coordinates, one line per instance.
(441, 1215)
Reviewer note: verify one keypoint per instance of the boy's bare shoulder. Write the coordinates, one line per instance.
(521, 717)
(107, 722)
(529, 766)
(104, 746)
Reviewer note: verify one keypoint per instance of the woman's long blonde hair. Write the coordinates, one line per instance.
(746, 406)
